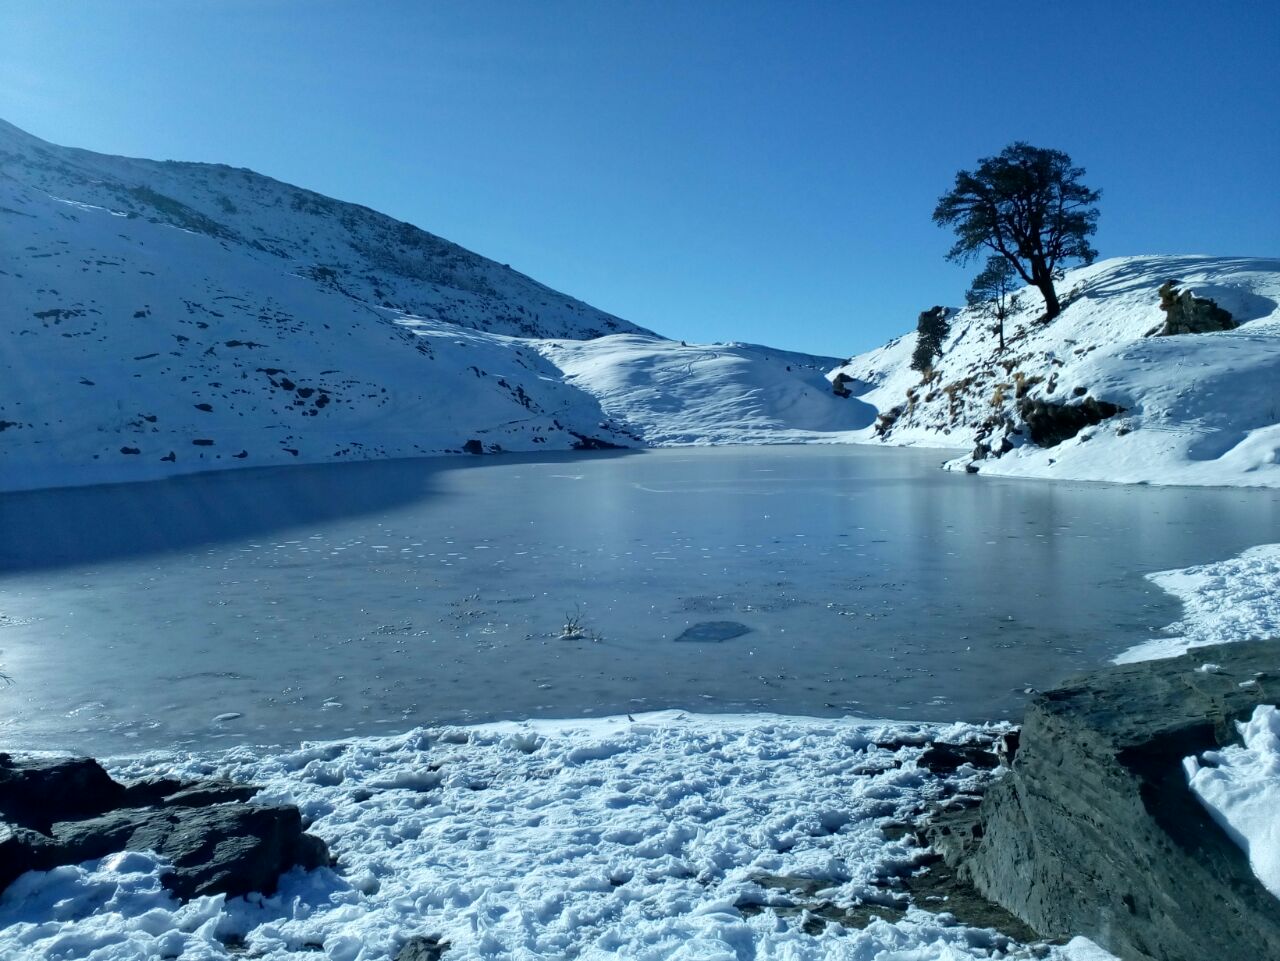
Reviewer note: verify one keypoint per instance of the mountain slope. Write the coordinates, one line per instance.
(1195, 408)
(146, 331)
(344, 248)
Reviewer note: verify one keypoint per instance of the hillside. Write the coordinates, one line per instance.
(1095, 394)
(162, 318)
(342, 248)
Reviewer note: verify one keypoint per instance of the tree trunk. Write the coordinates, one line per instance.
(1043, 278)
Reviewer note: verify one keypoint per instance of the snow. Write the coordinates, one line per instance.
(697, 394)
(1198, 409)
(615, 838)
(1240, 787)
(165, 318)
(1237, 599)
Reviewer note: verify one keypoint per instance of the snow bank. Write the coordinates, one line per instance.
(1199, 409)
(1233, 600)
(605, 839)
(1240, 786)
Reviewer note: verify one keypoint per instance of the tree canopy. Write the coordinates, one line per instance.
(1027, 205)
(932, 328)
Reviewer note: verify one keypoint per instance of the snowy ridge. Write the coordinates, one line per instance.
(608, 839)
(163, 318)
(1195, 408)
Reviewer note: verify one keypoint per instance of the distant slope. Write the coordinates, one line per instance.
(1195, 408)
(678, 394)
(161, 318)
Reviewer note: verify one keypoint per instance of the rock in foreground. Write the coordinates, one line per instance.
(68, 810)
(1094, 829)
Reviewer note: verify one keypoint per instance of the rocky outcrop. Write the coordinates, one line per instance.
(1093, 830)
(1185, 313)
(1048, 423)
(422, 948)
(68, 810)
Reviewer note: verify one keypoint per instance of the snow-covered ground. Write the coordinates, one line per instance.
(620, 838)
(1233, 600)
(1196, 408)
(1240, 786)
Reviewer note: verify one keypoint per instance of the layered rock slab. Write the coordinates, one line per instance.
(1094, 831)
(68, 810)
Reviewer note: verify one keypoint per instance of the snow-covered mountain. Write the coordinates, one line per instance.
(159, 318)
(1098, 393)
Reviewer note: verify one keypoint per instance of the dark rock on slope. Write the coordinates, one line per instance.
(1049, 424)
(68, 810)
(1185, 313)
(1093, 830)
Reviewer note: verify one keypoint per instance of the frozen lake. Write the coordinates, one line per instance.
(274, 605)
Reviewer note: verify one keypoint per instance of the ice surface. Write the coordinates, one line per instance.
(367, 598)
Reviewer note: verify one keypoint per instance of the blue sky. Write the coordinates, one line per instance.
(713, 170)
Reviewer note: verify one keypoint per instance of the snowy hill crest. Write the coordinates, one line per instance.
(1094, 394)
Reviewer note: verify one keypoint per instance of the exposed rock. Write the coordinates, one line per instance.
(584, 442)
(67, 810)
(473, 446)
(226, 848)
(942, 758)
(1093, 831)
(1049, 424)
(839, 385)
(421, 948)
(35, 792)
(1185, 313)
(209, 792)
(141, 794)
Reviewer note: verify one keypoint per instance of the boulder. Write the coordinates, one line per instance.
(67, 810)
(230, 849)
(1093, 829)
(421, 948)
(1185, 313)
(1049, 424)
(35, 792)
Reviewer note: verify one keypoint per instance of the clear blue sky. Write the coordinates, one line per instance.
(713, 170)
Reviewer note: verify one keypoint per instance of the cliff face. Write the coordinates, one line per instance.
(1094, 830)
